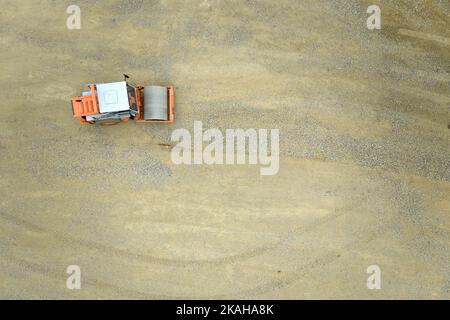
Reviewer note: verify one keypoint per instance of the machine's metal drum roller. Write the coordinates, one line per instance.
(155, 103)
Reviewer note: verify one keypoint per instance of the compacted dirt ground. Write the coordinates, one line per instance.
(364, 173)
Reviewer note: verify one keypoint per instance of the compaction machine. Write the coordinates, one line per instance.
(111, 103)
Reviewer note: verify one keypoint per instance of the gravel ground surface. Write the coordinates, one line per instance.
(364, 120)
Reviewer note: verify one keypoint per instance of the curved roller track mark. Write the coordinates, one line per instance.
(172, 262)
(424, 36)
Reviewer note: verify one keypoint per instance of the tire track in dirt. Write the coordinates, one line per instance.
(165, 261)
(287, 279)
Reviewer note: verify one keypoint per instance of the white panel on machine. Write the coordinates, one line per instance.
(112, 97)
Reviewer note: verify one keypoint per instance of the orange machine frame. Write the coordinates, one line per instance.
(88, 105)
(85, 105)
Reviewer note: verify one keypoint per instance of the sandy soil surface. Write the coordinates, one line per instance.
(364, 151)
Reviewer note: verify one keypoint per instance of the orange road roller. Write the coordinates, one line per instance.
(111, 103)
